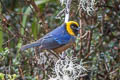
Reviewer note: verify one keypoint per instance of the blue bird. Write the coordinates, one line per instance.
(57, 40)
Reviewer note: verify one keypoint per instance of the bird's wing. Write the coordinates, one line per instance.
(49, 42)
(52, 41)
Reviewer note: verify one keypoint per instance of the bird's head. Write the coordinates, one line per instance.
(72, 28)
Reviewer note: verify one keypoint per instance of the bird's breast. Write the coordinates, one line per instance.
(63, 48)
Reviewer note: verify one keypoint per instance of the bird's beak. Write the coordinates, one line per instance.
(78, 28)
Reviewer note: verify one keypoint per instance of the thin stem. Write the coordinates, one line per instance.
(68, 3)
(81, 31)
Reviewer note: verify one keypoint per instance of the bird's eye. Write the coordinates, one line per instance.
(73, 27)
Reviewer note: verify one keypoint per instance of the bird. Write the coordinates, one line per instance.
(58, 40)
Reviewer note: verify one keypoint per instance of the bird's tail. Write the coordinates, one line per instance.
(34, 44)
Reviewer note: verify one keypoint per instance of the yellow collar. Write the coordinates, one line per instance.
(68, 28)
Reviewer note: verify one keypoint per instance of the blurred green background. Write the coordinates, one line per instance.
(24, 21)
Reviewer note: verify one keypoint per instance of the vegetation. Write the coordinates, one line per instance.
(24, 21)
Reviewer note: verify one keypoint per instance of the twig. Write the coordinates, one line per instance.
(81, 31)
(8, 40)
(89, 44)
(5, 23)
(114, 71)
(35, 7)
(9, 13)
(83, 75)
(85, 34)
(39, 15)
(60, 13)
(68, 3)
(57, 56)
(21, 73)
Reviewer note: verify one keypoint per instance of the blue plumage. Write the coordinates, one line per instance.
(55, 39)
(61, 35)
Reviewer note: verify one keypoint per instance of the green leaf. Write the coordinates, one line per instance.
(34, 28)
(2, 76)
(41, 2)
(1, 39)
(19, 44)
(24, 21)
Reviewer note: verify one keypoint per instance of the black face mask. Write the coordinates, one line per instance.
(75, 28)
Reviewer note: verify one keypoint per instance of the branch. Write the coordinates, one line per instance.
(67, 10)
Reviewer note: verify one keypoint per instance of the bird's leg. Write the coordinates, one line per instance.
(57, 56)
